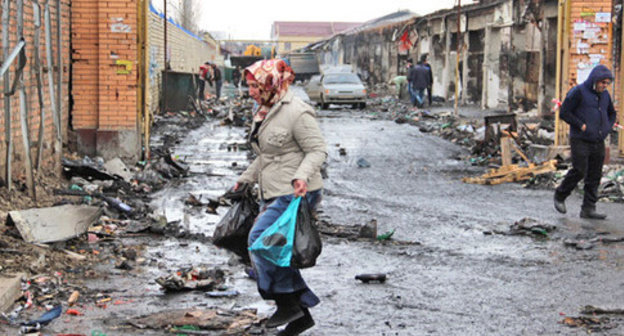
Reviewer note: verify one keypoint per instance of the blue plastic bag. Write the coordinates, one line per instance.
(275, 244)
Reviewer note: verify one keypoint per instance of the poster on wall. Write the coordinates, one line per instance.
(582, 72)
(603, 17)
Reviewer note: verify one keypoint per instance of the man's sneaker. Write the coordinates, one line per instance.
(592, 214)
(298, 326)
(560, 205)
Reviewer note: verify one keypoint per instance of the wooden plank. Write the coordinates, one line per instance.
(512, 175)
(505, 151)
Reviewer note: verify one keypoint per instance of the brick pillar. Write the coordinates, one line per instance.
(105, 77)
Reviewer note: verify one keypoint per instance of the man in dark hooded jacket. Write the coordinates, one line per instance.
(589, 110)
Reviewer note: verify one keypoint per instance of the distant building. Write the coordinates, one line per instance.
(292, 35)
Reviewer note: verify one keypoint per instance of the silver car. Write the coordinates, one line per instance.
(337, 88)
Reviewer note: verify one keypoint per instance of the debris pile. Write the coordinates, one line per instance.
(231, 322)
(193, 278)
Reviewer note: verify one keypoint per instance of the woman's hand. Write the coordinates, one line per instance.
(236, 186)
(301, 187)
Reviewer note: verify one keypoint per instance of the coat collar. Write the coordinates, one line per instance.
(275, 108)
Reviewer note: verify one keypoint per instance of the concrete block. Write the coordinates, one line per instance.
(10, 290)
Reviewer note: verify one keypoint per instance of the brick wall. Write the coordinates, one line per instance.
(31, 87)
(590, 42)
(185, 54)
(104, 58)
(583, 13)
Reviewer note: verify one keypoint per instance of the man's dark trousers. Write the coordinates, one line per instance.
(587, 160)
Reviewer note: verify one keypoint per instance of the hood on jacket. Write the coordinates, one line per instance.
(599, 73)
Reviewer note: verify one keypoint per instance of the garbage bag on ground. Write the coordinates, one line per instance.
(275, 244)
(232, 231)
(307, 245)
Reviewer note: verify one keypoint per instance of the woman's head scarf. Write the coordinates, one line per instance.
(273, 78)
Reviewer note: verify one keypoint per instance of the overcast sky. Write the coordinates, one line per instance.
(252, 19)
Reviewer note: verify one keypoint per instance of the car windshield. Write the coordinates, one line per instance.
(341, 79)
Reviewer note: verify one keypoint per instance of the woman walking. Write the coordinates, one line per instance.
(290, 151)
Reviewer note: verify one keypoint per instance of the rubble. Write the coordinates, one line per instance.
(232, 322)
(194, 278)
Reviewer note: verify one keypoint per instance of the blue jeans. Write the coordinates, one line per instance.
(271, 278)
(418, 97)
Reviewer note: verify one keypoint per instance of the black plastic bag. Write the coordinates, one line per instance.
(232, 230)
(307, 245)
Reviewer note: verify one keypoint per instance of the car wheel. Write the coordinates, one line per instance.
(324, 105)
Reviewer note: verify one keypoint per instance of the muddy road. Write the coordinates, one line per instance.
(451, 269)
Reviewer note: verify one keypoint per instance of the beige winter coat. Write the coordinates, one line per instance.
(290, 146)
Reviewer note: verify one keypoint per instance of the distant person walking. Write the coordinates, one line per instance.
(589, 110)
(203, 77)
(423, 61)
(216, 78)
(410, 67)
(236, 75)
(419, 80)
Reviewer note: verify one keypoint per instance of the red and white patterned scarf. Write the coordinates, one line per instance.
(273, 78)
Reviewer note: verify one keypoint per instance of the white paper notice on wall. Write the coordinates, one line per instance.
(595, 58)
(582, 48)
(582, 74)
(603, 17)
(118, 26)
(579, 26)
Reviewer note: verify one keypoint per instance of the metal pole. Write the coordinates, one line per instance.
(144, 61)
(164, 79)
(23, 107)
(558, 72)
(9, 59)
(39, 80)
(50, 63)
(7, 99)
(457, 63)
(59, 64)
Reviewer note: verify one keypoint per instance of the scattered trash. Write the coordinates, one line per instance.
(44, 319)
(118, 168)
(218, 294)
(85, 168)
(375, 277)
(592, 324)
(591, 310)
(386, 236)
(234, 322)
(362, 163)
(73, 312)
(192, 279)
(369, 230)
(73, 298)
(529, 227)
